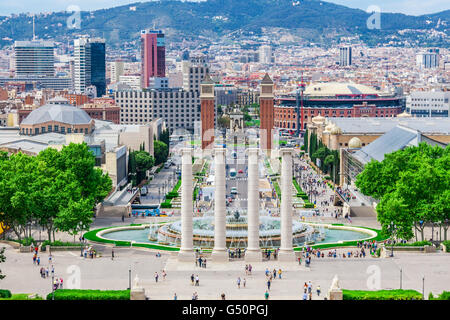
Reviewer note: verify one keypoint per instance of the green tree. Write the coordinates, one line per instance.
(143, 161)
(416, 177)
(224, 122)
(75, 217)
(161, 151)
(165, 137)
(17, 174)
(392, 211)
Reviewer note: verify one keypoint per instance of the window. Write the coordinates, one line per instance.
(56, 128)
(49, 128)
(36, 130)
(63, 130)
(43, 129)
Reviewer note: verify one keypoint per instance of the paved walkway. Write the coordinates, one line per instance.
(103, 273)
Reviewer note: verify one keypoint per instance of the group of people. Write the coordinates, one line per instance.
(235, 253)
(89, 252)
(268, 253)
(308, 289)
(195, 280)
(272, 275)
(200, 262)
(163, 273)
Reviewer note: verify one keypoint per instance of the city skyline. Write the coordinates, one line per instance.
(409, 7)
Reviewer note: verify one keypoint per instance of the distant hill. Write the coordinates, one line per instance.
(217, 18)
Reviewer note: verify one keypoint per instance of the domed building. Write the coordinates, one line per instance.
(355, 143)
(339, 100)
(58, 118)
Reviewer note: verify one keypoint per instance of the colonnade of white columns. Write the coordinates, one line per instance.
(187, 208)
(253, 251)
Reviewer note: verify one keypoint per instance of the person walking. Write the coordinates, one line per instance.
(197, 281)
(268, 284)
(318, 290)
(156, 276)
(192, 279)
(164, 274)
(274, 274)
(112, 254)
(175, 296)
(239, 282)
(266, 295)
(60, 283)
(38, 260)
(305, 297)
(222, 296)
(279, 273)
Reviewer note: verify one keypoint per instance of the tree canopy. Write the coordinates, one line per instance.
(413, 186)
(56, 189)
(161, 151)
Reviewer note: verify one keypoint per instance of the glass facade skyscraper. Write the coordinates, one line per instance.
(98, 66)
(90, 65)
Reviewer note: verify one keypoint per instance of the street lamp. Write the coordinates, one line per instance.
(400, 278)
(129, 278)
(393, 228)
(53, 284)
(423, 288)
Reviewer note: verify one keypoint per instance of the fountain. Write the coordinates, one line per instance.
(236, 231)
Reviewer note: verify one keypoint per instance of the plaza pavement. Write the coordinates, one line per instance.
(103, 273)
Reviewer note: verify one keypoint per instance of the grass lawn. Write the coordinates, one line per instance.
(21, 296)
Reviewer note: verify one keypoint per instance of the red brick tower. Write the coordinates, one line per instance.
(207, 112)
(266, 114)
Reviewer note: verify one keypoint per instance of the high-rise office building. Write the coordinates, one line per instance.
(117, 70)
(89, 65)
(82, 64)
(345, 56)
(194, 71)
(153, 56)
(98, 66)
(428, 59)
(34, 58)
(265, 54)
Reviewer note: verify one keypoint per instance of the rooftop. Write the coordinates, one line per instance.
(336, 88)
(57, 112)
(368, 125)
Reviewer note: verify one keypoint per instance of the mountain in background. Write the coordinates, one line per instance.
(312, 20)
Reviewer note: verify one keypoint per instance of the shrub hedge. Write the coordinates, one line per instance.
(412, 244)
(166, 205)
(445, 295)
(447, 245)
(5, 293)
(74, 294)
(58, 243)
(308, 205)
(381, 295)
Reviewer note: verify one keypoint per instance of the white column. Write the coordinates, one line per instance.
(253, 252)
(286, 249)
(219, 252)
(187, 243)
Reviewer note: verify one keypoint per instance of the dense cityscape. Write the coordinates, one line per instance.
(251, 163)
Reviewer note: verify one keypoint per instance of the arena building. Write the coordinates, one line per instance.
(342, 100)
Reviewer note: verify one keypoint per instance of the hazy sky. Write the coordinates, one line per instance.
(414, 7)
